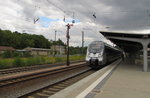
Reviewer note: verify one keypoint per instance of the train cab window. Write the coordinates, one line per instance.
(96, 47)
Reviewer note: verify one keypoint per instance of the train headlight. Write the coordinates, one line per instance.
(89, 55)
(100, 54)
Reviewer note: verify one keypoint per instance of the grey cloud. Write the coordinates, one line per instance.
(117, 15)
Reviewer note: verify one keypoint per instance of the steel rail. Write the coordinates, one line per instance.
(11, 79)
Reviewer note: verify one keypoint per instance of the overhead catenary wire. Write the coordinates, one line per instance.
(95, 14)
(51, 3)
(55, 5)
(36, 17)
(64, 11)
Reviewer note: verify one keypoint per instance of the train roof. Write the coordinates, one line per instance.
(113, 47)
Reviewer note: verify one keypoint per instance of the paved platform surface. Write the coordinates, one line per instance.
(127, 81)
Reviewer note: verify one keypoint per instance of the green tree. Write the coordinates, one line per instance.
(20, 41)
(58, 42)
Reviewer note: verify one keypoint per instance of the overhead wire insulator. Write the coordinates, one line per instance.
(94, 15)
(35, 20)
(64, 19)
(73, 21)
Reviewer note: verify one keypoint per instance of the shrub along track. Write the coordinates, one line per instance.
(16, 85)
(30, 68)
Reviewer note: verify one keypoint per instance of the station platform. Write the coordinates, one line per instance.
(126, 81)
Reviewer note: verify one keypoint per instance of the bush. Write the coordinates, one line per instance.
(30, 61)
(48, 60)
(3, 64)
(43, 60)
(7, 54)
(10, 54)
(26, 54)
(77, 57)
(58, 59)
(18, 62)
(6, 63)
(35, 60)
(38, 60)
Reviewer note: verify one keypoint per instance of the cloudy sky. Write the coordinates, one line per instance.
(90, 16)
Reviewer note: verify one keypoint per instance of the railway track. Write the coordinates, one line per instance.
(30, 75)
(30, 68)
(56, 87)
(20, 84)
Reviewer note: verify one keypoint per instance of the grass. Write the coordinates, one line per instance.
(22, 62)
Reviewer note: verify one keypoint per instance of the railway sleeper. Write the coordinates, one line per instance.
(42, 94)
(53, 89)
(49, 92)
(59, 87)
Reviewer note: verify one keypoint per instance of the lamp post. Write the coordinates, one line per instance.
(82, 42)
(68, 37)
(55, 44)
(55, 35)
(83, 34)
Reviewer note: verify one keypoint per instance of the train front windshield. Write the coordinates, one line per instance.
(96, 47)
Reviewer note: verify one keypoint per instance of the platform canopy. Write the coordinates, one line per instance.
(131, 43)
(127, 45)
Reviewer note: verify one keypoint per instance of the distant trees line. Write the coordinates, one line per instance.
(77, 50)
(23, 40)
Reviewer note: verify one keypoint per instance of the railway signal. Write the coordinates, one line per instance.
(68, 37)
